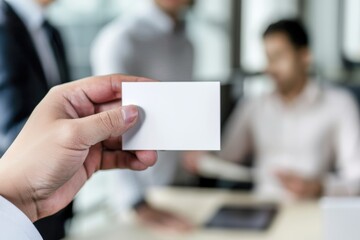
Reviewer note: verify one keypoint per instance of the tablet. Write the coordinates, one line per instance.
(257, 218)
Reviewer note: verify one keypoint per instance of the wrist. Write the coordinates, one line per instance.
(13, 190)
(317, 189)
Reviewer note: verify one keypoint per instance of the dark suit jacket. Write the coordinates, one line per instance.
(22, 80)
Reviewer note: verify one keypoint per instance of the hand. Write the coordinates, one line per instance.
(74, 132)
(300, 187)
(191, 161)
(161, 220)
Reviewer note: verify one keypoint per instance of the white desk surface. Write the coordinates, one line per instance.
(295, 221)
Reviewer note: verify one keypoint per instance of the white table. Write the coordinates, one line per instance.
(295, 221)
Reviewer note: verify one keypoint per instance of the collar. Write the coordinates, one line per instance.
(158, 18)
(31, 13)
(311, 93)
(309, 96)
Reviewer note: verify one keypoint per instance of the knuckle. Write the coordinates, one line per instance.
(69, 133)
(55, 89)
(110, 122)
(106, 121)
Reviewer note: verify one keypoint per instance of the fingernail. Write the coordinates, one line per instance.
(129, 113)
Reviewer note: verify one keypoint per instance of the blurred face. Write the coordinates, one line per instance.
(287, 65)
(173, 6)
(45, 3)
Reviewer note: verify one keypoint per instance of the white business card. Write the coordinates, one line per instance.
(177, 116)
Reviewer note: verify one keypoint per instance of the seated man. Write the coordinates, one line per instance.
(296, 131)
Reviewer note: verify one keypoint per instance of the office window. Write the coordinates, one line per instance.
(256, 16)
(351, 39)
(209, 30)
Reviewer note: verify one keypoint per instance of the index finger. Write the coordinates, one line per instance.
(101, 89)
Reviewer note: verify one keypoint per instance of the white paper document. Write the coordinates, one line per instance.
(174, 115)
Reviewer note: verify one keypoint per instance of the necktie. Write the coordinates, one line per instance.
(58, 49)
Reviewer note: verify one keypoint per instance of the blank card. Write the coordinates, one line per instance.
(173, 115)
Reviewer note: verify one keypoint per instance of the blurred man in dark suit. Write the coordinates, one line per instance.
(32, 60)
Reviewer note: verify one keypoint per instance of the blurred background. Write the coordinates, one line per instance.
(223, 42)
(227, 35)
(227, 39)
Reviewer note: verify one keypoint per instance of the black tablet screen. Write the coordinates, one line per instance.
(244, 217)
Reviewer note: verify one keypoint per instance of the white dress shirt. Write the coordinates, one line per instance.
(304, 137)
(145, 43)
(14, 224)
(33, 16)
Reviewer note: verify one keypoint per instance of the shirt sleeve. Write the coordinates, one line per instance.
(237, 133)
(346, 180)
(14, 224)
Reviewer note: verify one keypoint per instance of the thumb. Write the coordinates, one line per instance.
(113, 123)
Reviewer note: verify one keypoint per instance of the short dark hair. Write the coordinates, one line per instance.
(192, 3)
(293, 29)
